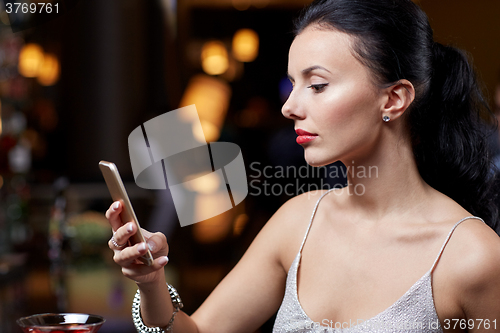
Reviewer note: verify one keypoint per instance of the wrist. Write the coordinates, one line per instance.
(137, 317)
(152, 285)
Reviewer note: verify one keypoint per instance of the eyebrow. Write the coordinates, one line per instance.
(308, 70)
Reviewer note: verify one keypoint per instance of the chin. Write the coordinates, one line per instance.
(317, 162)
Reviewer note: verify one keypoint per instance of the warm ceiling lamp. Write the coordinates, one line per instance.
(214, 60)
(245, 45)
(30, 58)
(203, 183)
(48, 73)
(241, 4)
(260, 3)
(211, 97)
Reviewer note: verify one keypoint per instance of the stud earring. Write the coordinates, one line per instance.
(386, 119)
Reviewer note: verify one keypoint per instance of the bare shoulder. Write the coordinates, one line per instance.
(298, 207)
(289, 224)
(296, 212)
(474, 263)
(478, 246)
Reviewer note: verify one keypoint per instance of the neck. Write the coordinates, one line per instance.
(385, 182)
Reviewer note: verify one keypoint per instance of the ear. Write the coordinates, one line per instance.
(398, 98)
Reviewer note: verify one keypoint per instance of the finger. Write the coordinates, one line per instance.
(130, 254)
(113, 215)
(114, 245)
(136, 270)
(157, 243)
(122, 235)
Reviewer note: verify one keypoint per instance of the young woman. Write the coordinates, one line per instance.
(400, 251)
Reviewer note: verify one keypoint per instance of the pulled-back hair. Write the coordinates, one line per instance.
(393, 38)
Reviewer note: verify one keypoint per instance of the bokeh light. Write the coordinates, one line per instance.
(30, 59)
(211, 97)
(49, 70)
(241, 4)
(214, 60)
(245, 45)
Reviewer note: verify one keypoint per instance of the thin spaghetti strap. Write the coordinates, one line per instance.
(312, 217)
(449, 236)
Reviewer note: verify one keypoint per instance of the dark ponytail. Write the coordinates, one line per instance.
(449, 140)
(394, 40)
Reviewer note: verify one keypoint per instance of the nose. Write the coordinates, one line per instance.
(290, 109)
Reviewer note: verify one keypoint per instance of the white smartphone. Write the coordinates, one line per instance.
(118, 193)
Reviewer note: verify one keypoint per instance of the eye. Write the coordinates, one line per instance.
(318, 87)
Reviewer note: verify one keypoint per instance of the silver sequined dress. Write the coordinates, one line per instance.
(414, 312)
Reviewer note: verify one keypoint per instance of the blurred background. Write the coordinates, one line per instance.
(72, 88)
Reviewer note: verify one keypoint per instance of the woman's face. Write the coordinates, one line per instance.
(335, 105)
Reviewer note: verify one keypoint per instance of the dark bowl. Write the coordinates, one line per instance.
(61, 322)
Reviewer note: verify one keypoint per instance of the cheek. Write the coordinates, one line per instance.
(347, 111)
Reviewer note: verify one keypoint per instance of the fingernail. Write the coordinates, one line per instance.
(151, 246)
(116, 205)
(141, 247)
(163, 260)
(130, 227)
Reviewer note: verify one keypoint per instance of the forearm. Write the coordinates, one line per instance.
(156, 306)
(157, 309)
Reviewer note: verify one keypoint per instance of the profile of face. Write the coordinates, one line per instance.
(335, 104)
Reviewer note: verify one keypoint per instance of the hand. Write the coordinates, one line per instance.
(127, 256)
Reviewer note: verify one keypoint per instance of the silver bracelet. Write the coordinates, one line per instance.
(137, 318)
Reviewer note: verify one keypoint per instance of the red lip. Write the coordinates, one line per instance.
(304, 136)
